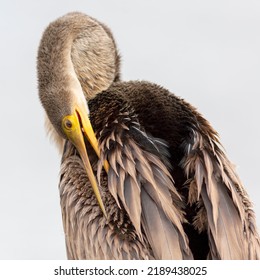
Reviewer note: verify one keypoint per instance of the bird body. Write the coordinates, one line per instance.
(164, 188)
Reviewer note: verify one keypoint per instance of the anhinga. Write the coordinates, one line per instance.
(143, 174)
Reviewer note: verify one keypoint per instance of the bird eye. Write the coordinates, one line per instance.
(68, 124)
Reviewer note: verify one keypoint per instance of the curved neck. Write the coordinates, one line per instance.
(77, 51)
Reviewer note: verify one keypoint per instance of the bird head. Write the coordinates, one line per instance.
(77, 59)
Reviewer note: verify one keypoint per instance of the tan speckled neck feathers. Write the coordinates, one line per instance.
(76, 54)
(76, 43)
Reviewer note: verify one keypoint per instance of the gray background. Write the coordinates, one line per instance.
(208, 52)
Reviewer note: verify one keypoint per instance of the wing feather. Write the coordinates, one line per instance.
(141, 183)
(161, 233)
(230, 220)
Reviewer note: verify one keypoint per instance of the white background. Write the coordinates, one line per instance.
(208, 52)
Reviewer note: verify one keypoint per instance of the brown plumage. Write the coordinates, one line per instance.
(169, 191)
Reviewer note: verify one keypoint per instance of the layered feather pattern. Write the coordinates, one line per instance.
(140, 183)
(88, 233)
(214, 184)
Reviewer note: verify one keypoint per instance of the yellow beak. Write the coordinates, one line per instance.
(74, 126)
